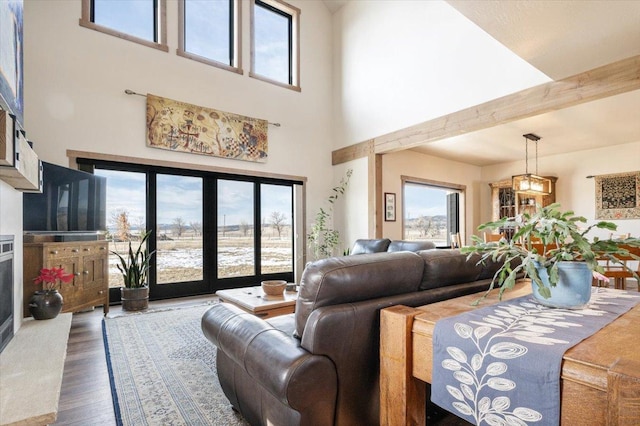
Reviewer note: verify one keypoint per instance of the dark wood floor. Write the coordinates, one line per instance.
(85, 397)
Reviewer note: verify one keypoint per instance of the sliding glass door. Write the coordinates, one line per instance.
(276, 230)
(179, 256)
(126, 215)
(209, 231)
(236, 229)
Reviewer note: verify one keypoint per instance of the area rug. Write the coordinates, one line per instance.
(163, 370)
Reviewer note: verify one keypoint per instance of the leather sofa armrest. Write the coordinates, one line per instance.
(274, 359)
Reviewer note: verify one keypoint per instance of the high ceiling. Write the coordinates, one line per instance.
(561, 39)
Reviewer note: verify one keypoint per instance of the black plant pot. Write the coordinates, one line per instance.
(45, 304)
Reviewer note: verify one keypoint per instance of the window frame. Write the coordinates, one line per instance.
(160, 26)
(294, 42)
(454, 187)
(236, 31)
(211, 282)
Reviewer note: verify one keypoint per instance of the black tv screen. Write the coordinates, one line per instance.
(71, 200)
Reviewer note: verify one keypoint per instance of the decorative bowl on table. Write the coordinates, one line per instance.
(273, 287)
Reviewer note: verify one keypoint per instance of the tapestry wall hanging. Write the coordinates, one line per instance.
(179, 126)
(618, 196)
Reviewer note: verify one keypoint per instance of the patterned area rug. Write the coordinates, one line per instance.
(163, 370)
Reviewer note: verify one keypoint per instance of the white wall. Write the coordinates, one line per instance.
(11, 224)
(399, 63)
(573, 190)
(351, 215)
(75, 80)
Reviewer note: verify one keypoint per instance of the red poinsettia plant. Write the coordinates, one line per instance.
(52, 278)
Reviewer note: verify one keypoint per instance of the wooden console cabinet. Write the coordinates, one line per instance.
(86, 260)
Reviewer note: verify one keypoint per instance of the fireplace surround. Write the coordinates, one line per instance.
(6, 290)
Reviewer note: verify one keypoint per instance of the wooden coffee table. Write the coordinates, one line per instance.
(600, 376)
(254, 301)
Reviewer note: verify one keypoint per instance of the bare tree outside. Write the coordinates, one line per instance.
(244, 227)
(120, 220)
(179, 226)
(196, 227)
(423, 224)
(278, 221)
(140, 224)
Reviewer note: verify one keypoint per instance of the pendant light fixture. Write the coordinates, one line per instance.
(529, 183)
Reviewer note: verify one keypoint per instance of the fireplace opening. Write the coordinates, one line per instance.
(6, 290)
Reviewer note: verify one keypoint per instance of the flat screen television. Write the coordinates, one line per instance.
(71, 201)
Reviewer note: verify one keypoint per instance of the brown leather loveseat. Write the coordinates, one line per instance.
(320, 365)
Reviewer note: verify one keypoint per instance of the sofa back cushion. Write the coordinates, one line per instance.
(363, 246)
(348, 279)
(407, 245)
(447, 267)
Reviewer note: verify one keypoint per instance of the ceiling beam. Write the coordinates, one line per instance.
(609, 80)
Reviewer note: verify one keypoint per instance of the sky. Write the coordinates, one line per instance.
(181, 196)
(206, 31)
(207, 35)
(420, 200)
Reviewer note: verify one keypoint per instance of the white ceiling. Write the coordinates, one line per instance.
(560, 38)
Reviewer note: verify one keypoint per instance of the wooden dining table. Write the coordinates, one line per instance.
(600, 376)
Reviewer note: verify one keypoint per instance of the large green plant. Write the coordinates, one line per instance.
(322, 238)
(135, 267)
(561, 239)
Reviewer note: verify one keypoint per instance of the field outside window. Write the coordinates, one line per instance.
(430, 213)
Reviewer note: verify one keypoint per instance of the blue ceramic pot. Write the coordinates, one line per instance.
(573, 289)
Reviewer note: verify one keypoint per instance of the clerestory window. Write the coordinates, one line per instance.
(275, 43)
(139, 21)
(209, 32)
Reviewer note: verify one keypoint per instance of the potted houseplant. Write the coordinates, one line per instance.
(134, 269)
(551, 248)
(47, 303)
(323, 239)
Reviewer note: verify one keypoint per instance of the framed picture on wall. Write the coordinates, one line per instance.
(389, 207)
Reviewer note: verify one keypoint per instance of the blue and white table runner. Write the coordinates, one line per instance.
(500, 365)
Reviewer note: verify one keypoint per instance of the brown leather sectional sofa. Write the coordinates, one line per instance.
(320, 365)
(364, 246)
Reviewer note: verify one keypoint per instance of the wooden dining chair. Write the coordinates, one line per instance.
(618, 272)
(615, 271)
(489, 237)
(620, 236)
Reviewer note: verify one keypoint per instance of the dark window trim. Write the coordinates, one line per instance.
(289, 19)
(210, 282)
(293, 16)
(235, 37)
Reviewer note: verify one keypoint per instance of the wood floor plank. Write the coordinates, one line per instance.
(85, 397)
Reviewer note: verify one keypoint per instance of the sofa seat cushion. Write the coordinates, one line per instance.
(447, 267)
(348, 279)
